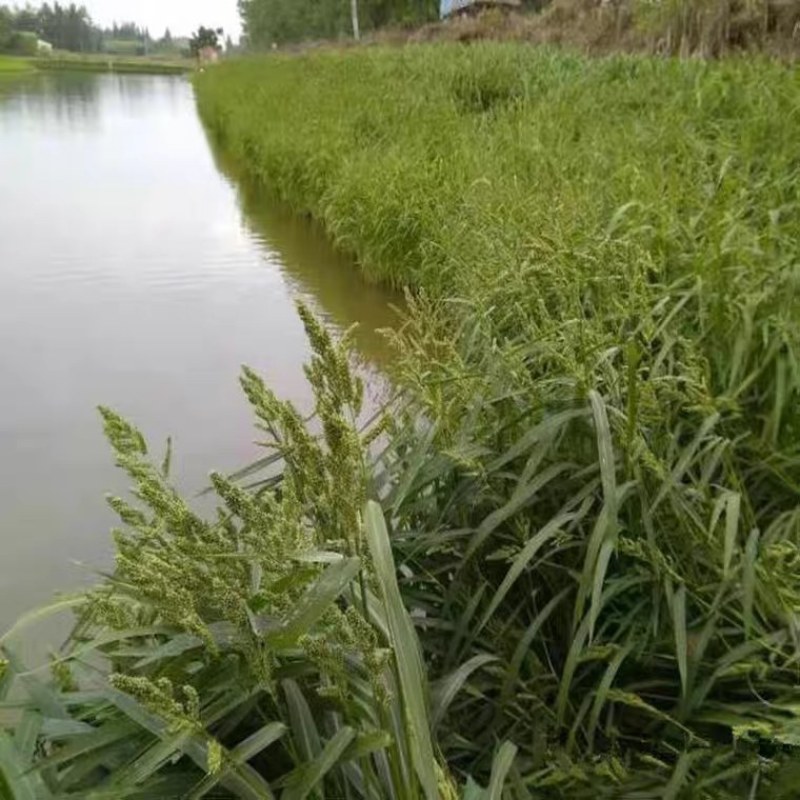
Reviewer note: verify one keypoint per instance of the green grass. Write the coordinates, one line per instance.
(564, 563)
(12, 65)
(614, 376)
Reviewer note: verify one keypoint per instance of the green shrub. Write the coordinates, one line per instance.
(23, 44)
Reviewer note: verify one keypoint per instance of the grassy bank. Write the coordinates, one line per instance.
(620, 235)
(11, 65)
(570, 569)
(106, 63)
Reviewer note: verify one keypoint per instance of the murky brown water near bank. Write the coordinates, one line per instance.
(134, 273)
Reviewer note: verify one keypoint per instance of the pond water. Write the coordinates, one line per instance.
(136, 274)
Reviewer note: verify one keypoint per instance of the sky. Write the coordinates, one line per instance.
(180, 16)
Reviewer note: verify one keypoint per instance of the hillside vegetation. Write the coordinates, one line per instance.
(705, 28)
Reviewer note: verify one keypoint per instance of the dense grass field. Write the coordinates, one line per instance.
(565, 564)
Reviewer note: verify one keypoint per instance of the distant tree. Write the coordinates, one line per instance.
(26, 19)
(168, 44)
(65, 27)
(268, 21)
(129, 31)
(6, 27)
(23, 43)
(68, 27)
(205, 37)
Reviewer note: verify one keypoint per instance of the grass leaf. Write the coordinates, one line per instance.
(406, 651)
(500, 768)
(304, 729)
(681, 638)
(445, 690)
(303, 781)
(317, 600)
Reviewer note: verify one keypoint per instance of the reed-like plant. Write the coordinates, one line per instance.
(599, 520)
(264, 653)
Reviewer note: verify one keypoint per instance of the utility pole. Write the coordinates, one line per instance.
(354, 14)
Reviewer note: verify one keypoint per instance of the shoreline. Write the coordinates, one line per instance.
(112, 64)
(25, 65)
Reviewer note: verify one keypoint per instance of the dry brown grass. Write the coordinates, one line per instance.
(686, 28)
(706, 28)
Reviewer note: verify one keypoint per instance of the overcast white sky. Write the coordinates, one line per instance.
(180, 16)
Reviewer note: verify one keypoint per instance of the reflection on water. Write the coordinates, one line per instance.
(60, 99)
(132, 275)
(329, 279)
(71, 100)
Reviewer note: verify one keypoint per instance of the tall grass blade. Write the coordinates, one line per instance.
(244, 751)
(732, 510)
(523, 496)
(445, 690)
(681, 637)
(522, 561)
(500, 768)
(304, 729)
(317, 600)
(26, 734)
(406, 651)
(603, 689)
(678, 779)
(605, 450)
(258, 741)
(749, 580)
(39, 614)
(242, 779)
(301, 783)
(17, 782)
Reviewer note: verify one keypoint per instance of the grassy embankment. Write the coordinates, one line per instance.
(107, 63)
(14, 65)
(11, 65)
(592, 489)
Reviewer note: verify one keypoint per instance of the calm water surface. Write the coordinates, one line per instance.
(135, 274)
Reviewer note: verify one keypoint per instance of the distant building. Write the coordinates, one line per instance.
(449, 8)
(208, 55)
(43, 48)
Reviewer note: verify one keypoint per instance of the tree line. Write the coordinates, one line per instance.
(71, 28)
(279, 21)
(67, 27)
